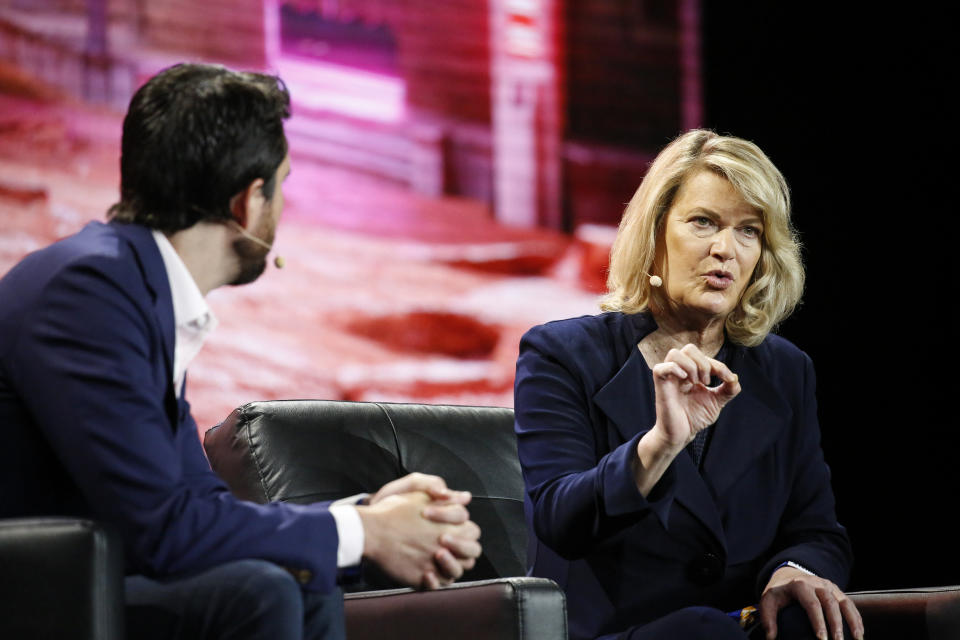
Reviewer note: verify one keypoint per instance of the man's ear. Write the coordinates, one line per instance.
(246, 205)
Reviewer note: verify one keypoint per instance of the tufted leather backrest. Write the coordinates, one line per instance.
(310, 450)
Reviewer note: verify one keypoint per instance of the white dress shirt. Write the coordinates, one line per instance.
(194, 321)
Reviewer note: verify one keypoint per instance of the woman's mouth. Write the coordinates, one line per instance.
(718, 279)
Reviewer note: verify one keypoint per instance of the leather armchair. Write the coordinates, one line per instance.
(309, 450)
(60, 578)
(914, 614)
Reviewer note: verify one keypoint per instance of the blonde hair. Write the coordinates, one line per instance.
(777, 282)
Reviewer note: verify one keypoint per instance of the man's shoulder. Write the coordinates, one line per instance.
(101, 253)
(97, 246)
(94, 240)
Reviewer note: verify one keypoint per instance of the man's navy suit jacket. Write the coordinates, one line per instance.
(92, 426)
(584, 397)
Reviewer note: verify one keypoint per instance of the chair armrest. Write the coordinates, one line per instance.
(501, 609)
(60, 578)
(911, 614)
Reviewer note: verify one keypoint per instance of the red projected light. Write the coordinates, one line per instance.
(524, 36)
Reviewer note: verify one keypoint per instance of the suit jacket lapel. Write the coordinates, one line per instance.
(628, 401)
(155, 277)
(747, 426)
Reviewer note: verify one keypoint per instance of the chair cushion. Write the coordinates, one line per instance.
(305, 451)
(504, 609)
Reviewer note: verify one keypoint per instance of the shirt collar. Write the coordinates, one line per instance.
(190, 309)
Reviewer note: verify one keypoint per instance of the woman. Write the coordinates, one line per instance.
(670, 447)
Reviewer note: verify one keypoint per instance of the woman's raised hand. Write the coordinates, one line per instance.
(686, 404)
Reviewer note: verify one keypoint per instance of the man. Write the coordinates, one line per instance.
(96, 332)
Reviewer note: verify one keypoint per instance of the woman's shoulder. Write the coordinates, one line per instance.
(590, 328)
(609, 335)
(777, 350)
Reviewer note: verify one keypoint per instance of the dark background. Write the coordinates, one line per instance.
(851, 107)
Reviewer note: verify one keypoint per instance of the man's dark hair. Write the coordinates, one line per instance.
(194, 136)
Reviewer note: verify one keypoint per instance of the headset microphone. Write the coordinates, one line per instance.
(278, 261)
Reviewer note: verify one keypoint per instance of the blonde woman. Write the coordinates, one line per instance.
(670, 446)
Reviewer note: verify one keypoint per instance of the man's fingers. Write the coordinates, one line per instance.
(446, 513)
(449, 567)
(430, 581)
(461, 547)
(451, 496)
(431, 485)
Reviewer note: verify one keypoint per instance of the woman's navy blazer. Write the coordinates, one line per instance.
(710, 536)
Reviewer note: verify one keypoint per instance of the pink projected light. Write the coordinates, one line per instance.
(327, 87)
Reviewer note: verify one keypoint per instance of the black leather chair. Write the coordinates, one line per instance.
(60, 578)
(308, 450)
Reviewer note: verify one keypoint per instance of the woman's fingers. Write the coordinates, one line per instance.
(722, 371)
(696, 368)
(687, 363)
(770, 605)
(851, 615)
(666, 370)
(825, 604)
(809, 600)
(702, 362)
(831, 611)
(699, 367)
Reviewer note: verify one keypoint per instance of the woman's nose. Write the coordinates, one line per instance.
(723, 244)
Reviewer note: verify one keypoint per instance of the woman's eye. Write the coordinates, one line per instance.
(703, 221)
(750, 232)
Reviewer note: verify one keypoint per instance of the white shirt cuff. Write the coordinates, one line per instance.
(349, 530)
(791, 563)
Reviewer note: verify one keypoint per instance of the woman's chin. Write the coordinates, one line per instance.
(710, 307)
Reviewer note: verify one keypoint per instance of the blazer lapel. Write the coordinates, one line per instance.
(155, 277)
(628, 402)
(747, 426)
(626, 398)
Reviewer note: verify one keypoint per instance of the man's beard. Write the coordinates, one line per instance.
(251, 256)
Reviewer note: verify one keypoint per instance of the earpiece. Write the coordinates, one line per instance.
(278, 261)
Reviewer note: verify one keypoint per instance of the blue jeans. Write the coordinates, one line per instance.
(246, 599)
